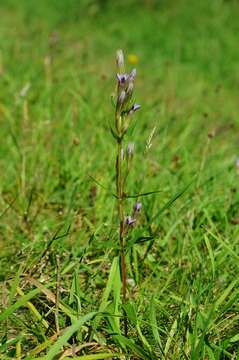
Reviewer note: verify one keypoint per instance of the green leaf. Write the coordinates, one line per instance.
(144, 194)
(171, 336)
(225, 245)
(131, 312)
(102, 186)
(154, 325)
(15, 284)
(136, 349)
(225, 293)
(108, 289)
(172, 200)
(62, 340)
(114, 134)
(210, 252)
(21, 302)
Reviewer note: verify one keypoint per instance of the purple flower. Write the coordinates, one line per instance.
(122, 78)
(137, 207)
(237, 163)
(129, 220)
(133, 108)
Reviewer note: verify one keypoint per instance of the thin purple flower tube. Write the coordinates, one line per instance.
(129, 220)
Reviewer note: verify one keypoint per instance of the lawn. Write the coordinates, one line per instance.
(60, 274)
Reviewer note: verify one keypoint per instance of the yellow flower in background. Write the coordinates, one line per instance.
(133, 59)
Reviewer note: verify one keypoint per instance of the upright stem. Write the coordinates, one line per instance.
(120, 200)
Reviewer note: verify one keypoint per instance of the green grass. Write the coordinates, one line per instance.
(55, 219)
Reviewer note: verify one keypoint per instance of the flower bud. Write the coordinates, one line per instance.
(132, 75)
(137, 207)
(130, 150)
(130, 88)
(120, 59)
(121, 98)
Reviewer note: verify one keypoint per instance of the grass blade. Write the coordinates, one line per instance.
(172, 200)
(21, 302)
(153, 323)
(66, 336)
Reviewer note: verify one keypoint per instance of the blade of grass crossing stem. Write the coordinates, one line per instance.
(171, 201)
(154, 325)
(21, 302)
(210, 252)
(62, 340)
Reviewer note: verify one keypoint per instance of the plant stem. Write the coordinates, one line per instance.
(120, 200)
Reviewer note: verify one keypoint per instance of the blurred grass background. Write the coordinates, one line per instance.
(57, 74)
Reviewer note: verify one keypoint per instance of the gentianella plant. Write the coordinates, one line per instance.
(125, 109)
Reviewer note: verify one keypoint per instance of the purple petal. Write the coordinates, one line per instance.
(129, 220)
(134, 108)
(122, 78)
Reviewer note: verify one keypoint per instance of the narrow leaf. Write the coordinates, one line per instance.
(171, 201)
(21, 302)
(67, 335)
(154, 325)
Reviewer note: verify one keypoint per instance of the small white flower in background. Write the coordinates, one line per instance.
(131, 282)
(130, 149)
(23, 92)
(120, 59)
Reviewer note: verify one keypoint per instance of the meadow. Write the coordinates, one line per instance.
(60, 275)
